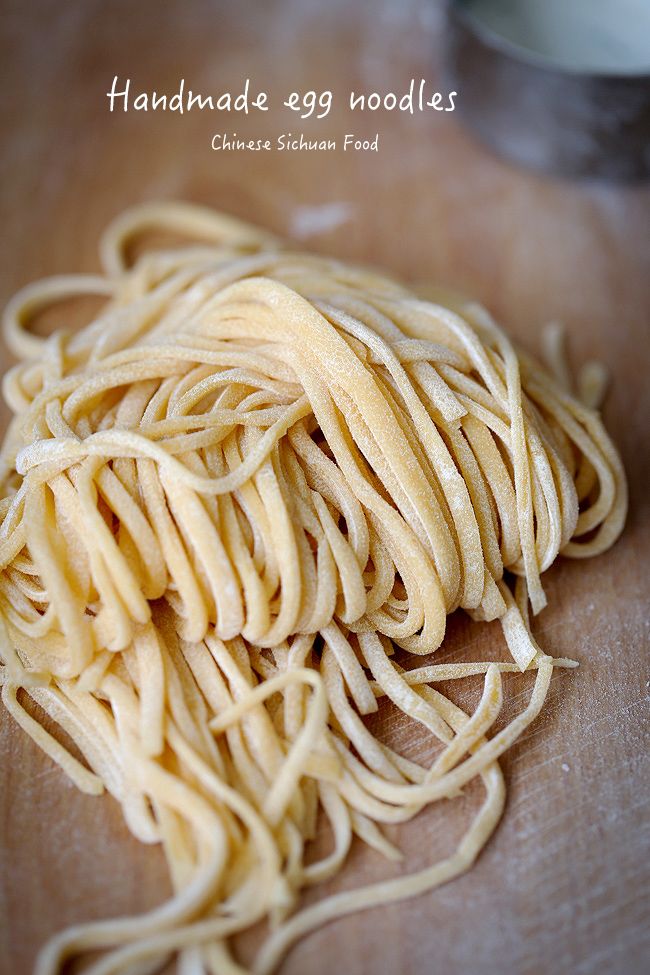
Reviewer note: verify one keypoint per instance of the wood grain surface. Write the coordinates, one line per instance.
(563, 885)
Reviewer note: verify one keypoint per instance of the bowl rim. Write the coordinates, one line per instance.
(500, 44)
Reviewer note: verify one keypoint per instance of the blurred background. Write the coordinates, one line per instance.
(430, 203)
(564, 879)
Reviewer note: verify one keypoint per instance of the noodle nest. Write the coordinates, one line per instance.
(236, 506)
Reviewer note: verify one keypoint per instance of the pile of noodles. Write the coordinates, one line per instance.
(230, 503)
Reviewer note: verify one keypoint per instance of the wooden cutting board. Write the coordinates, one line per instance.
(564, 883)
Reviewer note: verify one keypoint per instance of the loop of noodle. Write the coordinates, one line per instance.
(227, 500)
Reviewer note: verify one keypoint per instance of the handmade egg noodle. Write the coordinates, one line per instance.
(235, 505)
